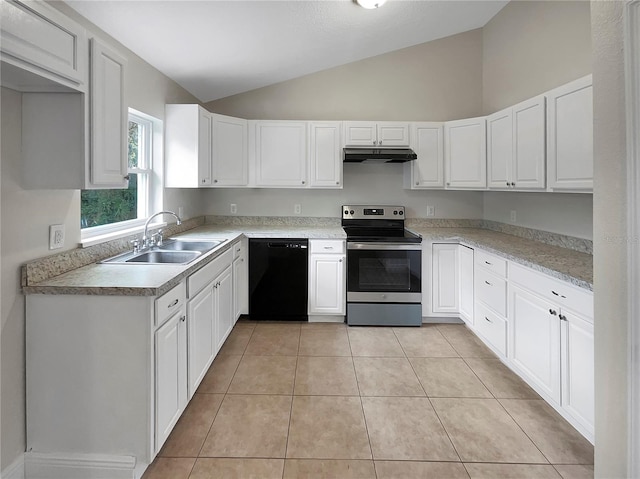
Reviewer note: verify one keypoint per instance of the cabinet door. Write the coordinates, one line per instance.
(570, 136)
(578, 368)
(466, 153)
(499, 149)
(445, 281)
(224, 306)
(240, 286)
(535, 341)
(393, 134)
(205, 132)
(201, 330)
(465, 257)
(171, 375)
(229, 151)
(37, 35)
(109, 117)
(325, 155)
(359, 133)
(327, 284)
(529, 154)
(428, 170)
(281, 154)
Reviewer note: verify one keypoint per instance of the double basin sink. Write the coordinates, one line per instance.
(173, 251)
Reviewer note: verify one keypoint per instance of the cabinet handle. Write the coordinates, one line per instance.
(553, 312)
(488, 319)
(486, 262)
(127, 177)
(173, 304)
(328, 247)
(562, 317)
(555, 294)
(183, 319)
(487, 282)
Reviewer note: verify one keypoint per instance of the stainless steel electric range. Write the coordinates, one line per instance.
(384, 263)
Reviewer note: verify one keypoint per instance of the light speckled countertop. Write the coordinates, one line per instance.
(154, 280)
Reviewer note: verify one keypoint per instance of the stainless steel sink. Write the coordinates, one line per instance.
(173, 251)
(188, 245)
(163, 257)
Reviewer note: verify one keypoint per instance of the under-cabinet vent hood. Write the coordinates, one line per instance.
(379, 155)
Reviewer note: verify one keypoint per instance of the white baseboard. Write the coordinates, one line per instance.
(78, 466)
(447, 320)
(15, 470)
(325, 318)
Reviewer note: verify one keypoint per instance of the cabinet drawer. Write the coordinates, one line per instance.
(491, 290)
(208, 273)
(560, 292)
(493, 263)
(327, 246)
(491, 327)
(170, 302)
(238, 249)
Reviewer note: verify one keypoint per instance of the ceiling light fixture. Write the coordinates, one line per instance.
(370, 4)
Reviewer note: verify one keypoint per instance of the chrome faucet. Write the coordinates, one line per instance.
(147, 242)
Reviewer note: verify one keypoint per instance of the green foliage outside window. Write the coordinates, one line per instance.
(101, 207)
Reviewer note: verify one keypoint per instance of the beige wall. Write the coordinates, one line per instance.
(26, 216)
(439, 80)
(610, 259)
(530, 47)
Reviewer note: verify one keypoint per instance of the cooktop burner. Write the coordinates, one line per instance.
(379, 224)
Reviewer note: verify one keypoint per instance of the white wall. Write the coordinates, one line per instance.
(27, 214)
(363, 184)
(610, 242)
(564, 213)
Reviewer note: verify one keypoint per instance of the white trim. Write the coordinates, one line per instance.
(632, 81)
(15, 470)
(78, 466)
(117, 234)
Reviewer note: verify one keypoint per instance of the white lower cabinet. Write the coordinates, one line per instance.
(223, 306)
(171, 375)
(466, 283)
(327, 277)
(240, 279)
(202, 335)
(445, 278)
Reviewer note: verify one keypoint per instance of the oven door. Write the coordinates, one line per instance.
(384, 272)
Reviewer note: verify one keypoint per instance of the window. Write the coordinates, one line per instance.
(107, 211)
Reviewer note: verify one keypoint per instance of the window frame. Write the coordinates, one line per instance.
(149, 173)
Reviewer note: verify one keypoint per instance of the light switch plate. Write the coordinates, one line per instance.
(296, 209)
(431, 210)
(513, 216)
(234, 208)
(56, 236)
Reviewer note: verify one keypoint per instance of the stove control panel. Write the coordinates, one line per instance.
(372, 212)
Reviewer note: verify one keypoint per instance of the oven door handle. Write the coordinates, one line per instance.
(386, 246)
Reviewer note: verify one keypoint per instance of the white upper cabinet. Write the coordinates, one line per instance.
(500, 149)
(109, 117)
(229, 151)
(280, 149)
(363, 133)
(570, 136)
(428, 170)
(41, 41)
(188, 143)
(325, 159)
(516, 146)
(466, 153)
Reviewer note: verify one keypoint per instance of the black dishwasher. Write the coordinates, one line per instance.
(278, 271)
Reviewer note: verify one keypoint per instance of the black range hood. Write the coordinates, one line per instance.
(381, 155)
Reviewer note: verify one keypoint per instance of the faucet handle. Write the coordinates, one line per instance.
(136, 245)
(159, 235)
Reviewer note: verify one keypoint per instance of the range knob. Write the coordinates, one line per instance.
(351, 211)
(346, 212)
(395, 212)
(401, 212)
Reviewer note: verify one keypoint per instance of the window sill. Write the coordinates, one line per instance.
(114, 235)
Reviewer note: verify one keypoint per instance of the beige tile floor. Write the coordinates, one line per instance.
(327, 401)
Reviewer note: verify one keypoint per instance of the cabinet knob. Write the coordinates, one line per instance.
(513, 183)
(215, 181)
(417, 183)
(448, 184)
(337, 182)
(380, 142)
(303, 182)
(203, 180)
(507, 184)
(553, 312)
(562, 317)
(183, 319)
(374, 142)
(340, 260)
(127, 177)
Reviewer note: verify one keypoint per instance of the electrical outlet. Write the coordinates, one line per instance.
(56, 236)
(296, 209)
(431, 210)
(513, 216)
(234, 208)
